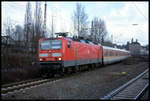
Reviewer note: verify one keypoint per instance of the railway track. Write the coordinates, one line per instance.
(11, 88)
(133, 89)
(21, 82)
(18, 86)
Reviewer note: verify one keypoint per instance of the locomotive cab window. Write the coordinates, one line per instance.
(50, 44)
(69, 44)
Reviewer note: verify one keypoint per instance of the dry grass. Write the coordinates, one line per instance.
(18, 74)
(17, 66)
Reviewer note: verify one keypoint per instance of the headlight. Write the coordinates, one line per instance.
(41, 59)
(59, 58)
(56, 54)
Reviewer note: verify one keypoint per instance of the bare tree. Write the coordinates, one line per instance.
(8, 30)
(80, 20)
(28, 27)
(45, 13)
(28, 23)
(102, 31)
(38, 24)
(7, 40)
(33, 27)
(98, 30)
(94, 29)
(8, 27)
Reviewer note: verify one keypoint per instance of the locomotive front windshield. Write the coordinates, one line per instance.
(50, 44)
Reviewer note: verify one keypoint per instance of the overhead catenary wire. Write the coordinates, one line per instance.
(139, 11)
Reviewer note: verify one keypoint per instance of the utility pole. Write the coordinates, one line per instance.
(78, 27)
(45, 18)
(112, 38)
(52, 26)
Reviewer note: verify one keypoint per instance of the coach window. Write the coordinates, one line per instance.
(105, 53)
(110, 53)
(69, 44)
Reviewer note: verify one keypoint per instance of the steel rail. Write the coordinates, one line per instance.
(22, 86)
(116, 91)
(21, 82)
(141, 92)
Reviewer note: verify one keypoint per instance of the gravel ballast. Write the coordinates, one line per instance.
(92, 84)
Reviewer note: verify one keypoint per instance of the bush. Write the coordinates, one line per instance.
(17, 66)
(18, 74)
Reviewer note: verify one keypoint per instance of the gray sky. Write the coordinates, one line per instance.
(119, 17)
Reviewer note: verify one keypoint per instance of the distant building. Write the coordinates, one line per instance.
(144, 50)
(134, 48)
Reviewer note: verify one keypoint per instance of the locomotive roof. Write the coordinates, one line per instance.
(79, 40)
(73, 39)
(111, 48)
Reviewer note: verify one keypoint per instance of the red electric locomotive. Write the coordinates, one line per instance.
(61, 54)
